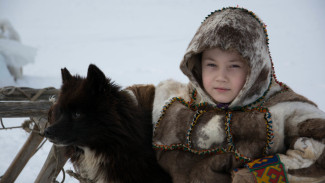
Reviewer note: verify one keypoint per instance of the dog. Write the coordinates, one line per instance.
(106, 134)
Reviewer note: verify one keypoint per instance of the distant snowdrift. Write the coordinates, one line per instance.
(13, 54)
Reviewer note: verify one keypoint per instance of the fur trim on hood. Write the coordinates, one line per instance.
(239, 29)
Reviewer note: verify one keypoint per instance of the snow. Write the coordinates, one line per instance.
(5, 77)
(143, 41)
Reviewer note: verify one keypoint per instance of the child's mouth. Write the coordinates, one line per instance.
(222, 89)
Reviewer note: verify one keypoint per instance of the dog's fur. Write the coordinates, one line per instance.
(107, 135)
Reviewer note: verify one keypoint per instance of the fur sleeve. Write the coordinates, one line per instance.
(305, 158)
(164, 92)
(299, 119)
(143, 96)
(151, 99)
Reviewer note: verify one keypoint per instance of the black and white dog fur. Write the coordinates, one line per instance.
(106, 134)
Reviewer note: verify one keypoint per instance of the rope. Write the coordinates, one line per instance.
(7, 128)
(38, 94)
(9, 91)
(3, 126)
(10, 128)
(39, 147)
(57, 166)
(27, 124)
(63, 172)
(63, 178)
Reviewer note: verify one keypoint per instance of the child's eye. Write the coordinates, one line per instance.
(235, 66)
(211, 65)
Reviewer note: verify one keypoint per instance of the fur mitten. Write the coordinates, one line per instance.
(306, 161)
(303, 163)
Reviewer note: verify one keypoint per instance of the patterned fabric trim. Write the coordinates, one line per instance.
(268, 169)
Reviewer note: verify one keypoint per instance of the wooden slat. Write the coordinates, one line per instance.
(21, 159)
(53, 165)
(34, 103)
(24, 93)
(24, 109)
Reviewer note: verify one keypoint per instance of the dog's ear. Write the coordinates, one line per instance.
(66, 76)
(96, 78)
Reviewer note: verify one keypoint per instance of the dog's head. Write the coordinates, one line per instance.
(77, 117)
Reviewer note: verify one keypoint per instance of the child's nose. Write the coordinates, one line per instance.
(221, 75)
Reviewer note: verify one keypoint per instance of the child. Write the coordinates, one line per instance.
(234, 111)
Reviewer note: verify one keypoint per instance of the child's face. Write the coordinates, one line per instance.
(223, 74)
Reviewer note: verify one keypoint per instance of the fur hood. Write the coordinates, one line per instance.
(238, 29)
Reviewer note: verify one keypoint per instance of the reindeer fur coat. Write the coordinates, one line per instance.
(199, 140)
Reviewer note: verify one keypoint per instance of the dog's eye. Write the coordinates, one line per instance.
(76, 115)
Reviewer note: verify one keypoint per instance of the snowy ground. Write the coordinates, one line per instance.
(143, 41)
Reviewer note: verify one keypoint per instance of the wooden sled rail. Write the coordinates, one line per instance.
(34, 103)
(24, 109)
(11, 93)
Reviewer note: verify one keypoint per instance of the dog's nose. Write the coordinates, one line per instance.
(47, 132)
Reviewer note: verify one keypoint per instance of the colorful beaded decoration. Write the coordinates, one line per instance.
(231, 147)
(187, 146)
(230, 144)
(189, 132)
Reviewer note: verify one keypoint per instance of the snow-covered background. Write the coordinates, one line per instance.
(143, 41)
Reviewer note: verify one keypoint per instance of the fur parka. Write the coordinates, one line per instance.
(198, 140)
